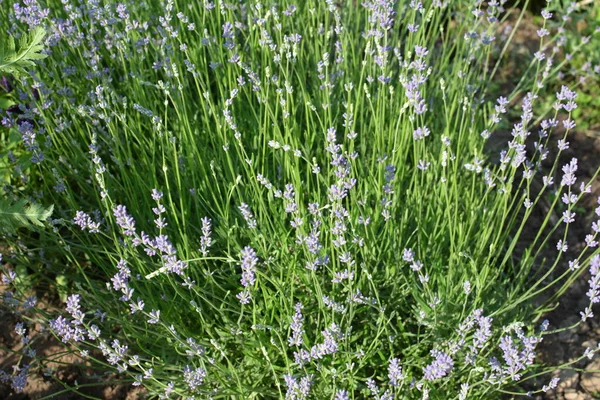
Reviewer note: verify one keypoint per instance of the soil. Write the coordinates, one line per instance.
(579, 381)
(68, 369)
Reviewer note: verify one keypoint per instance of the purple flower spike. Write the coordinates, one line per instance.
(124, 220)
(440, 367)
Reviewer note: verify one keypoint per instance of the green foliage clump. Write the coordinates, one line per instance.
(284, 199)
(15, 61)
(22, 214)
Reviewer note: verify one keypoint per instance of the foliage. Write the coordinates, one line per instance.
(15, 62)
(589, 97)
(21, 215)
(261, 200)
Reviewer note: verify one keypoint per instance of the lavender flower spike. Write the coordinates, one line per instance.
(440, 367)
(124, 220)
(395, 372)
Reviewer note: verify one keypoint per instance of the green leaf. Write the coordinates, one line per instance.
(11, 44)
(62, 284)
(5, 102)
(22, 215)
(24, 279)
(30, 46)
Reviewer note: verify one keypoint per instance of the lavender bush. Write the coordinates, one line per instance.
(297, 199)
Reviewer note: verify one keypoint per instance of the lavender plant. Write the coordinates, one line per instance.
(299, 199)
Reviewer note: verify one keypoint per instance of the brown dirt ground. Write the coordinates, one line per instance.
(68, 368)
(570, 345)
(578, 381)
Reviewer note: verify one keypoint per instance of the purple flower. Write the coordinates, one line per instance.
(517, 357)
(408, 255)
(594, 292)
(154, 317)
(115, 353)
(333, 305)
(124, 220)
(329, 345)
(227, 30)
(248, 262)
(342, 395)
(416, 265)
(568, 216)
(421, 133)
(73, 308)
(372, 385)
(248, 216)
(28, 135)
(9, 276)
(467, 287)
(336, 193)
(312, 241)
(193, 377)
(31, 13)
(93, 332)
(244, 297)
(138, 306)
(590, 242)
(569, 123)
(440, 367)
(169, 389)
(81, 219)
(205, 239)
(290, 10)
(289, 195)
(160, 222)
(566, 94)
(421, 51)
(156, 195)
(62, 328)
(586, 314)
(297, 327)
(297, 390)
(395, 372)
(174, 265)
(84, 221)
(423, 165)
(142, 110)
(122, 11)
(19, 381)
(552, 385)
(484, 332)
(30, 302)
(346, 274)
(562, 246)
(20, 329)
